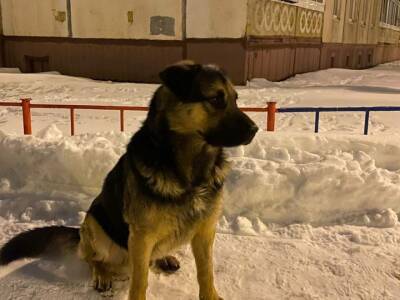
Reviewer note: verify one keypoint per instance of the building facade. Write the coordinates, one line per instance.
(131, 40)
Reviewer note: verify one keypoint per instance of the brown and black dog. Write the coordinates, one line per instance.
(165, 190)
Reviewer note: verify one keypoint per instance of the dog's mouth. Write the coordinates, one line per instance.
(234, 129)
(251, 136)
(229, 138)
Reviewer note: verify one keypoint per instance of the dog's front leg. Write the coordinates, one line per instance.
(140, 247)
(202, 247)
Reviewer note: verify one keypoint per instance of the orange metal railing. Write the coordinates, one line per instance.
(26, 105)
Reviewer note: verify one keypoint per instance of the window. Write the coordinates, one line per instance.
(353, 8)
(364, 14)
(373, 17)
(398, 18)
(383, 12)
(390, 13)
(337, 8)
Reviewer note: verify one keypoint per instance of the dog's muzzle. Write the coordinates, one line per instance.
(235, 129)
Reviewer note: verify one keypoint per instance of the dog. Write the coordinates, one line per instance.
(165, 191)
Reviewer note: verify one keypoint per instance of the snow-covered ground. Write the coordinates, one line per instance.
(306, 216)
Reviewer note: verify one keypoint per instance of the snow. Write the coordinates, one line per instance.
(333, 87)
(273, 180)
(10, 70)
(306, 216)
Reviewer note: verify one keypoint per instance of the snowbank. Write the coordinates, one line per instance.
(10, 70)
(318, 179)
(380, 77)
(279, 178)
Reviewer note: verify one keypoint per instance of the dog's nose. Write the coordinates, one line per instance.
(254, 129)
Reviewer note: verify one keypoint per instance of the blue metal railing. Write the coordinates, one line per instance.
(318, 110)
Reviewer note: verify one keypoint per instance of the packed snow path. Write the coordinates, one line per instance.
(294, 262)
(333, 87)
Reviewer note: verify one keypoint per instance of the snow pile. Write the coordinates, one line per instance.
(367, 80)
(317, 179)
(51, 177)
(379, 77)
(279, 178)
(10, 70)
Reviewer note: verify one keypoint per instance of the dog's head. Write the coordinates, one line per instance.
(201, 100)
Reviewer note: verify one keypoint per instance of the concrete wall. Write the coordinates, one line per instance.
(363, 21)
(35, 17)
(272, 18)
(229, 54)
(127, 19)
(119, 60)
(350, 23)
(363, 29)
(333, 25)
(119, 40)
(1, 22)
(1, 40)
(312, 4)
(388, 35)
(374, 16)
(216, 19)
(309, 23)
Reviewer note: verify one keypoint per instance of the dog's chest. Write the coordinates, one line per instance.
(185, 220)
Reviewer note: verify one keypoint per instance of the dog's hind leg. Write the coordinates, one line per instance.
(105, 258)
(101, 276)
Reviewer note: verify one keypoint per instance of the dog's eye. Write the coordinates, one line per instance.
(218, 102)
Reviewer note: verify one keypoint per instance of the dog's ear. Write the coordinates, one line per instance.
(179, 78)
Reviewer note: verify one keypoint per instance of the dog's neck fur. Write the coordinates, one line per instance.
(194, 158)
(185, 160)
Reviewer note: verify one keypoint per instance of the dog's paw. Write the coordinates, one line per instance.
(211, 298)
(102, 284)
(167, 264)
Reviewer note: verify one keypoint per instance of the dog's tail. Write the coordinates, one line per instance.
(51, 242)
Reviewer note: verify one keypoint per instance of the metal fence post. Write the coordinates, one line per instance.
(72, 117)
(316, 121)
(271, 116)
(366, 124)
(26, 115)
(121, 119)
